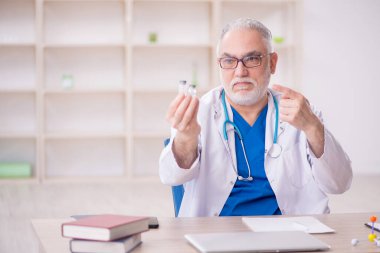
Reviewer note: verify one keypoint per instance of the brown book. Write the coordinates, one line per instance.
(106, 227)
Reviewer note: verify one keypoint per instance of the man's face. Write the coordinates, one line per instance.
(246, 86)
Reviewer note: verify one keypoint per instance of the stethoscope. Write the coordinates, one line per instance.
(274, 151)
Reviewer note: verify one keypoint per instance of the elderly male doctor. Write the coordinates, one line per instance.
(245, 149)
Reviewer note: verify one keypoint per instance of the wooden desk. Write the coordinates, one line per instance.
(169, 237)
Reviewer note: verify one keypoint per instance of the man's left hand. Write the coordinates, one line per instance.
(295, 109)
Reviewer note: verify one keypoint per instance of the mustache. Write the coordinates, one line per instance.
(243, 80)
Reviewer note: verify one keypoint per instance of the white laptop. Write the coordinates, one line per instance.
(279, 241)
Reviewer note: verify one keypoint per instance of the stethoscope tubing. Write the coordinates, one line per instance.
(237, 130)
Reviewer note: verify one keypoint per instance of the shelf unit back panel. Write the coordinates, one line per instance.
(162, 68)
(84, 113)
(85, 157)
(180, 23)
(84, 22)
(90, 68)
(285, 68)
(17, 68)
(143, 148)
(150, 111)
(17, 22)
(18, 113)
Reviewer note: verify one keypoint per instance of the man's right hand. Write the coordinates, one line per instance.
(182, 115)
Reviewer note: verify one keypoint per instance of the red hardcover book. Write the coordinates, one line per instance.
(106, 227)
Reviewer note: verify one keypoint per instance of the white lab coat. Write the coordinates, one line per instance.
(299, 180)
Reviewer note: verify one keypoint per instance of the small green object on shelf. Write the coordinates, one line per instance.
(278, 39)
(67, 81)
(152, 37)
(15, 170)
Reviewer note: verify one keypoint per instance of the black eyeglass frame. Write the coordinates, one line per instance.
(242, 60)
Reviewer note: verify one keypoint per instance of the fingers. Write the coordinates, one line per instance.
(182, 111)
(174, 105)
(190, 114)
(285, 91)
(288, 103)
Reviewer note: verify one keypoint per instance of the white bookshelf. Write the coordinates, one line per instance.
(84, 87)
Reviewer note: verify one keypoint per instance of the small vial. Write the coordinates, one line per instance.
(192, 91)
(183, 87)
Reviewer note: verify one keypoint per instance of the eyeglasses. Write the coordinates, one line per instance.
(251, 61)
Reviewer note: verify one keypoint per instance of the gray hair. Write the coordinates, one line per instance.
(250, 24)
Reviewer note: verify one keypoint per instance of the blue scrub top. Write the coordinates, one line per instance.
(251, 197)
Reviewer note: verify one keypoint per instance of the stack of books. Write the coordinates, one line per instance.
(107, 233)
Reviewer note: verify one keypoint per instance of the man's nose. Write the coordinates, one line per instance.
(241, 70)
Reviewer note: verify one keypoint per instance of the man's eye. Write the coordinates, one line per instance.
(252, 59)
(229, 60)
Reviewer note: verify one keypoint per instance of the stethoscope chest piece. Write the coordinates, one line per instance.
(275, 150)
(241, 178)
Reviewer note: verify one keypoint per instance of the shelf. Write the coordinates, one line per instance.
(84, 22)
(85, 179)
(11, 91)
(85, 135)
(16, 45)
(19, 181)
(89, 1)
(15, 135)
(164, 46)
(172, 90)
(173, 1)
(71, 91)
(82, 45)
(152, 134)
(260, 1)
(91, 113)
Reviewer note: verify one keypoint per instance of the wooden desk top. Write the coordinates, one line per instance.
(170, 236)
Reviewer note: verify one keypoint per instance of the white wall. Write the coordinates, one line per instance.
(341, 73)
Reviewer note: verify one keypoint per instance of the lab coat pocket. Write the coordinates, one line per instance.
(295, 166)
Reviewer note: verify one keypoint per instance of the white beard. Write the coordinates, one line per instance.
(249, 98)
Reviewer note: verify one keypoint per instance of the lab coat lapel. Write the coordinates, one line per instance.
(219, 119)
(270, 122)
(269, 127)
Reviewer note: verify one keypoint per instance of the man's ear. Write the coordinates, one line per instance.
(273, 62)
